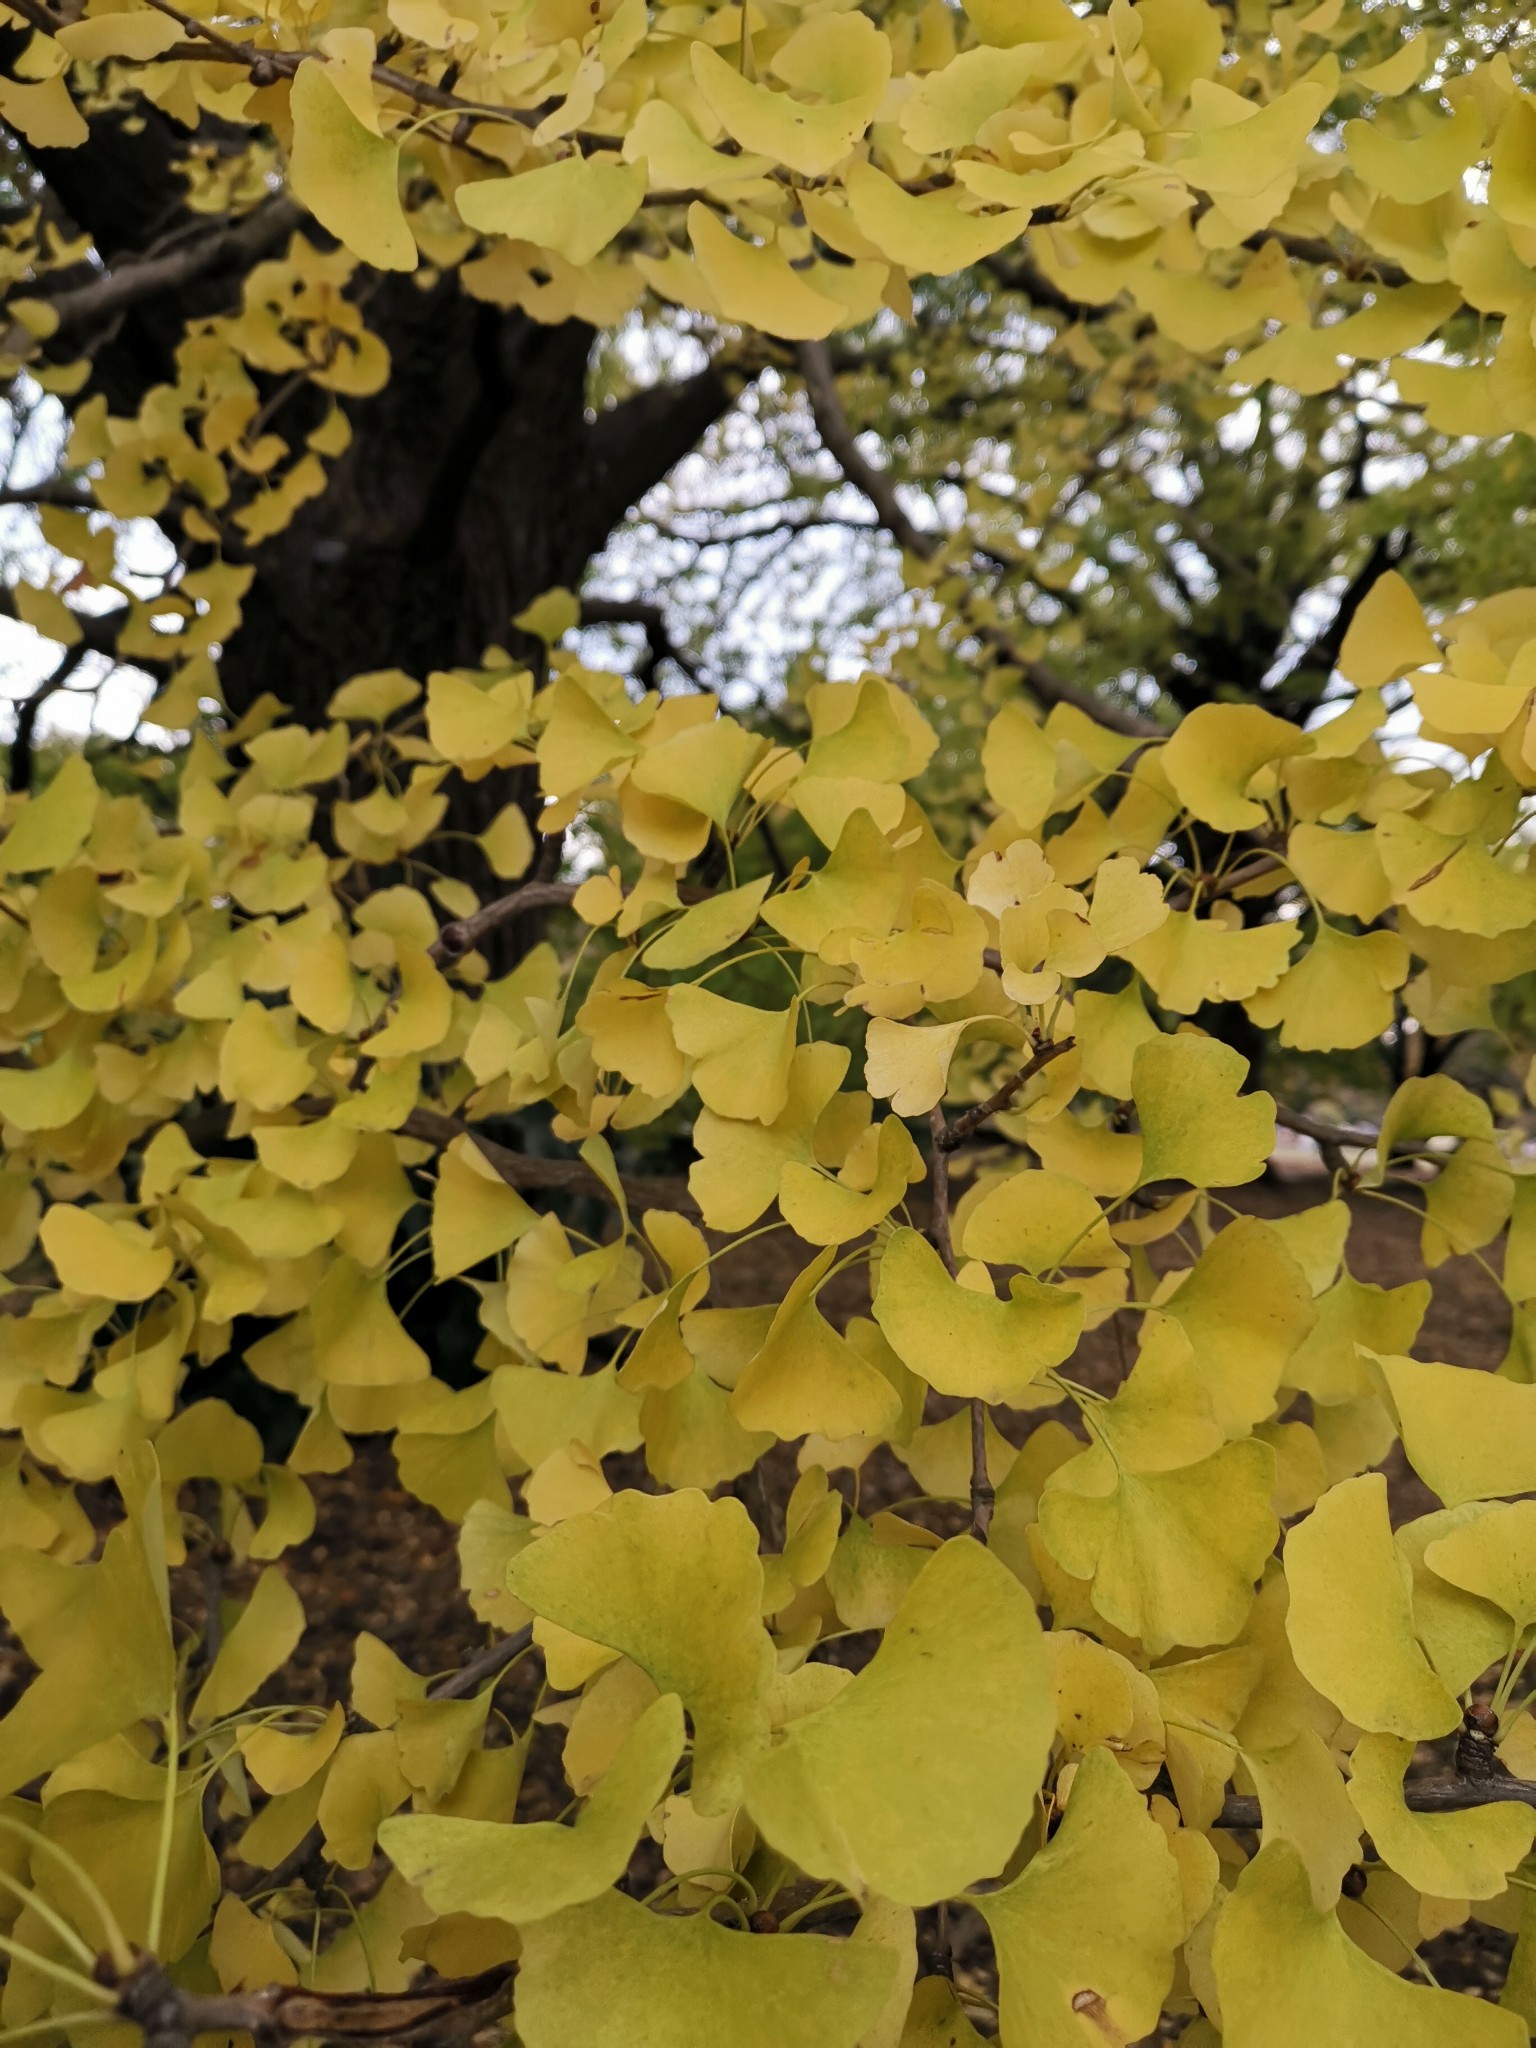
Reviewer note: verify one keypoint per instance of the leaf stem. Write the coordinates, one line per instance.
(167, 1828)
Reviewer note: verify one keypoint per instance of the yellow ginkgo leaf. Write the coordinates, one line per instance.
(263, 1638)
(755, 285)
(1215, 753)
(960, 1680)
(808, 1379)
(48, 1097)
(358, 1340)
(1387, 635)
(741, 1055)
(1338, 995)
(1303, 1802)
(1194, 1124)
(1038, 1221)
(1350, 1621)
(100, 1634)
(1493, 1555)
(1468, 1435)
(1450, 1855)
(474, 1212)
(810, 139)
(1172, 1556)
(599, 1972)
(931, 233)
(1287, 1972)
(1086, 1934)
(346, 174)
(1245, 1308)
(50, 829)
(502, 1871)
(968, 1343)
(1452, 883)
(468, 723)
(673, 1582)
(1326, 1364)
(709, 928)
(1162, 1416)
(574, 206)
(1190, 960)
(701, 766)
(740, 1164)
(260, 1061)
(908, 1064)
(825, 1211)
(507, 842)
(1462, 1633)
(113, 1260)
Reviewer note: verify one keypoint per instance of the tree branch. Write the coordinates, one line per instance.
(1324, 1134)
(840, 442)
(432, 2017)
(1427, 1795)
(53, 490)
(631, 446)
(23, 751)
(550, 1176)
(224, 247)
(948, 1135)
(489, 1664)
(465, 933)
(660, 646)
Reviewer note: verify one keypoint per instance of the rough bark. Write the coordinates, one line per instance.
(476, 479)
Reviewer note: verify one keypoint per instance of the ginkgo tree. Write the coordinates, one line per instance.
(1134, 1675)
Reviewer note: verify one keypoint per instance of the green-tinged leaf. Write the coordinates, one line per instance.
(612, 1974)
(1287, 1972)
(1086, 1935)
(1351, 1622)
(525, 1873)
(674, 1582)
(920, 1776)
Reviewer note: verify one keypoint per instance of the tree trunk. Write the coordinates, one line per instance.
(475, 479)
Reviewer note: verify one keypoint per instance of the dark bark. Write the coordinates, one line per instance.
(475, 480)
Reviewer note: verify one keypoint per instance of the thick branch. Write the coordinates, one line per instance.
(631, 446)
(224, 247)
(1324, 1134)
(465, 933)
(436, 2015)
(1428, 1795)
(53, 490)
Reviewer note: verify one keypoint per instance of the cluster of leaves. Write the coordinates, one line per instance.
(236, 1059)
(792, 176)
(240, 1046)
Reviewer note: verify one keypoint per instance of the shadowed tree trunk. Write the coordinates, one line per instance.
(477, 478)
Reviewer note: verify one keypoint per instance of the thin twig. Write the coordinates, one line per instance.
(489, 1664)
(841, 443)
(549, 1176)
(946, 1136)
